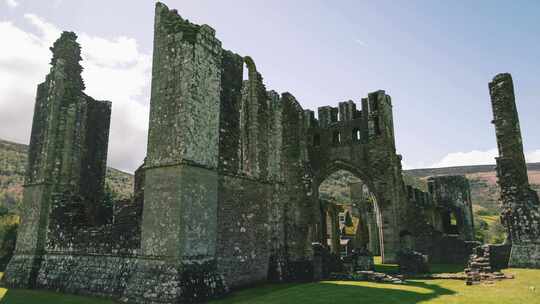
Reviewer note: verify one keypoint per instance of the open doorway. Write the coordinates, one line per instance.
(350, 216)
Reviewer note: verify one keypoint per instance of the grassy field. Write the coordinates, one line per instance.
(490, 219)
(525, 288)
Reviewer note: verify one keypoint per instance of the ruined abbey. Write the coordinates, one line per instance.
(228, 194)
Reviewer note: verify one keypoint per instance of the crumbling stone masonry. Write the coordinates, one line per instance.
(440, 221)
(521, 206)
(452, 196)
(66, 168)
(227, 195)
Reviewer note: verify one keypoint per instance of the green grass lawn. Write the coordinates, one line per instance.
(525, 288)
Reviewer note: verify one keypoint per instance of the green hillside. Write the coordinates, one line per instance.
(483, 181)
(12, 168)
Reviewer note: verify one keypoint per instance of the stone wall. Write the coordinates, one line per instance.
(243, 248)
(452, 195)
(68, 148)
(427, 220)
(520, 203)
(227, 195)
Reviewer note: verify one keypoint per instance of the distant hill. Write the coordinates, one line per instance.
(13, 166)
(462, 170)
(483, 180)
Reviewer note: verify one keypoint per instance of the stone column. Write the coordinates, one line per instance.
(521, 212)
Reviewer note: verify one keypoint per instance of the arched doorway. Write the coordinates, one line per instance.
(349, 212)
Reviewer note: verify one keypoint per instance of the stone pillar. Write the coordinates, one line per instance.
(179, 225)
(374, 243)
(332, 222)
(521, 211)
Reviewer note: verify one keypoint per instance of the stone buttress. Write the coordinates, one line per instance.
(179, 232)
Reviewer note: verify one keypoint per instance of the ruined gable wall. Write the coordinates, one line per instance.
(65, 178)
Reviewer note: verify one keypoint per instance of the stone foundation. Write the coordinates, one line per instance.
(160, 281)
(96, 275)
(525, 256)
(21, 271)
(132, 279)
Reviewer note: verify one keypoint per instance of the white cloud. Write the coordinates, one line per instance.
(12, 3)
(478, 158)
(114, 70)
(360, 42)
(533, 156)
(467, 158)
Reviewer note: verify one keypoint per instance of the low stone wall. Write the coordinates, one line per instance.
(131, 279)
(160, 281)
(452, 250)
(99, 275)
(21, 271)
(525, 256)
(499, 255)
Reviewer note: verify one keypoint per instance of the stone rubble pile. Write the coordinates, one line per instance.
(479, 269)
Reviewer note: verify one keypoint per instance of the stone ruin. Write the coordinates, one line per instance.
(520, 204)
(228, 193)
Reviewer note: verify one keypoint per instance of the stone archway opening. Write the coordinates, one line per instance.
(350, 218)
(452, 222)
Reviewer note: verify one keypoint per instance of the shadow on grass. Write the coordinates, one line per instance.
(23, 296)
(446, 268)
(338, 292)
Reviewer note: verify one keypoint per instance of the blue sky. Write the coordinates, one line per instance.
(435, 58)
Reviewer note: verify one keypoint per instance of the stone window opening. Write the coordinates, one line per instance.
(451, 222)
(356, 135)
(316, 140)
(245, 72)
(336, 137)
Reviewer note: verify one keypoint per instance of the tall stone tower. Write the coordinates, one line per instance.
(181, 179)
(521, 207)
(64, 182)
